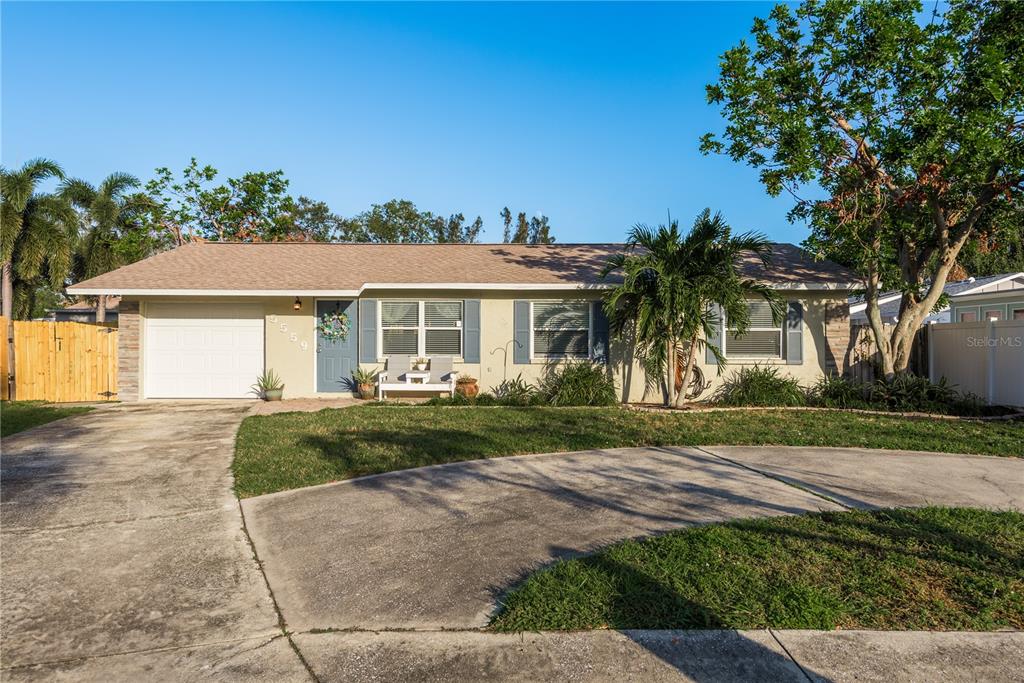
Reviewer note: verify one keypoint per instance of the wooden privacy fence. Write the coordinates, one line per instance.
(61, 362)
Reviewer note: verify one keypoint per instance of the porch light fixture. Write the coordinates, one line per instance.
(298, 304)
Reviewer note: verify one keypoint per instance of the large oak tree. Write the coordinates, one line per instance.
(912, 123)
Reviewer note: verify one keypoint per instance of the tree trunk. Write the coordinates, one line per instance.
(691, 355)
(877, 326)
(101, 308)
(670, 382)
(896, 348)
(7, 292)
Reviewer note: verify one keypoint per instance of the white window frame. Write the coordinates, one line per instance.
(782, 338)
(566, 356)
(421, 328)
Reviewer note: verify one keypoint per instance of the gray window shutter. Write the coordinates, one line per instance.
(599, 339)
(521, 332)
(367, 330)
(795, 333)
(471, 330)
(716, 338)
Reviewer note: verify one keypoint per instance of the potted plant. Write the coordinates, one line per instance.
(466, 385)
(268, 386)
(364, 380)
(420, 364)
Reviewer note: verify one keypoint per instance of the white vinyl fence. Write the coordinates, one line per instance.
(985, 358)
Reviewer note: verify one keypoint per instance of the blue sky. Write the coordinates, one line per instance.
(589, 113)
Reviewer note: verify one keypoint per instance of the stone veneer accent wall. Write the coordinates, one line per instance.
(837, 336)
(128, 331)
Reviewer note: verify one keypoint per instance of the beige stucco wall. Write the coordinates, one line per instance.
(816, 352)
(290, 341)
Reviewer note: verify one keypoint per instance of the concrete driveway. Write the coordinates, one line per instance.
(435, 547)
(124, 555)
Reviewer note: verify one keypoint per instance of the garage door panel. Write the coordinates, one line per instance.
(203, 350)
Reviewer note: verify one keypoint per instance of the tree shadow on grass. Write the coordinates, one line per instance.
(910, 529)
(682, 633)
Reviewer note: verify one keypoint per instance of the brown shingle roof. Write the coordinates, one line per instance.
(304, 267)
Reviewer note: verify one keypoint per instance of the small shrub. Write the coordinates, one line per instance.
(836, 391)
(364, 376)
(760, 386)
(578, 384)
(972, 405)
(456, 400)
(516, 392)
(908, 393)
(486, 399)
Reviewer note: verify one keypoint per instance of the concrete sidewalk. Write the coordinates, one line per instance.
(656, 656)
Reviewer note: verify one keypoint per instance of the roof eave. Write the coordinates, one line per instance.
(480, 286)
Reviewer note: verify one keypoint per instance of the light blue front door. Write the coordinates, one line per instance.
(337, 359)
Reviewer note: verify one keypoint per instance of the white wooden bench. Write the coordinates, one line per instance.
(439, 378)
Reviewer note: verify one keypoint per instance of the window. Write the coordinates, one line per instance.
(561, 329)
(993, 314)
(443, 329)
(428, 328)
(1018, 313)
(763, 339)
(400, 325)
(968, 316)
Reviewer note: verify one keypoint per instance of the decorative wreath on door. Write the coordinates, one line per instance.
(333, 326)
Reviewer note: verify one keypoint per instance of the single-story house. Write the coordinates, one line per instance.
(85, 312)
(203, 320)
(996, 296)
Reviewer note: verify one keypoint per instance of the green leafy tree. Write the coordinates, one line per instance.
(670, 285)
(454, 229)
(999, 247)
(395, 221)
(913, 129)
(536, 230)
(506, 218)
(399, 221)
(38, 236)
(111, 218)
(306, 220)
(522, 233)
(248, 208)
(540, 231)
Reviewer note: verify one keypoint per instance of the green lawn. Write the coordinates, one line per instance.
(17, 416)
(924, 569)
(290, 450)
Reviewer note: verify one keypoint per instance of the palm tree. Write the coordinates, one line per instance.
(37, 234)
(671, 286)
(107, 212)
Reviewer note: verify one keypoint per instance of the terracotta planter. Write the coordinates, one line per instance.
(366, 391)
(272, 394)
(467, 389)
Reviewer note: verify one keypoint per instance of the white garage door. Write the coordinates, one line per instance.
(202, 350)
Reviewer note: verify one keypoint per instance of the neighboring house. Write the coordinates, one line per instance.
(999, 296)
(203, 320)
(85, 312)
